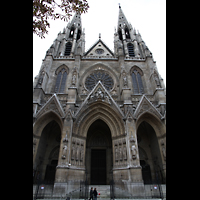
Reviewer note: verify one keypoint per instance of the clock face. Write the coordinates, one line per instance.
(99, 51)
(96, 76)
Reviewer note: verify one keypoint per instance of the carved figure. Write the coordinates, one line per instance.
(64, 152)
(40, 80)
(116, 154)
(77, 154)
(74, 79)
(125, 82)
(99, 94)
(157, 80)
(120, 153)
(65, 138)
(81, 157)
(73, 153)
(164, 152)
(134, 152)
(124, 153)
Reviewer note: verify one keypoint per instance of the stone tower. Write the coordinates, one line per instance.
(98, 114)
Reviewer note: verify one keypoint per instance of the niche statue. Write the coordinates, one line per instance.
(64, 152)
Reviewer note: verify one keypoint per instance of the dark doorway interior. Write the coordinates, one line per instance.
(50, 171)
(146, 172)
(98, 166)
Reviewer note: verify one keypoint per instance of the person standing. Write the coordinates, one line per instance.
(95, 194)
(91, 193)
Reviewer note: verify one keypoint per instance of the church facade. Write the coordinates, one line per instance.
(99, 114)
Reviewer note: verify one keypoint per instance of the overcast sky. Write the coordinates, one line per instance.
(147, 16)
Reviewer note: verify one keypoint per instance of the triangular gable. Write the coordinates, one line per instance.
(69, 114)
(129, 114)
(99, 49)
(52, 104)
(146, 106)
(99, 93)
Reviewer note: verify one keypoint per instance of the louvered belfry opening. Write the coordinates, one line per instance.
(131, 50)
(68, 49)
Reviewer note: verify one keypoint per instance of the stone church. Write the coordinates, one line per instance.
(99, 114)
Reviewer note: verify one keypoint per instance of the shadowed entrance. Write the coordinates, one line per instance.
(99, 153)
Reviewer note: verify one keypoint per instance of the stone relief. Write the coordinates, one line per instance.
(77, 152)
(120, 152)
(99, 95)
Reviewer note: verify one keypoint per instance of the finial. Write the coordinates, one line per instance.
(119, 5)
(99, 35)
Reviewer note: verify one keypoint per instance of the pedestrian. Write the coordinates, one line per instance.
(91, 193)
(95, 194)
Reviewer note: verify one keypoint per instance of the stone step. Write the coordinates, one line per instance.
(104, 191)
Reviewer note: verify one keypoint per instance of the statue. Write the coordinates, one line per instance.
(99, 94)
(74, 79)
(40, 80)
(157, 80)
(120, 153)
(72, 153)
(134, 152)
(64, 152)
(65, 138)
(164, 152)
(82, 152)
(116, 154)
(125, 82)
(77, 154)
(124, 153)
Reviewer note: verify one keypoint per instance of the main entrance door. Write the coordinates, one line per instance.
(98, 166)
(99, 153)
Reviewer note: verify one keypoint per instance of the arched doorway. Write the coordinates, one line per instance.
(149, 153)
(48, 151)
(99, 153)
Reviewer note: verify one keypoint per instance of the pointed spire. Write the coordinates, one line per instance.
(76, 20)
(122, 19)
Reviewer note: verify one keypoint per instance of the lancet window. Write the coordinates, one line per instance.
(137, 82)
(60, 81)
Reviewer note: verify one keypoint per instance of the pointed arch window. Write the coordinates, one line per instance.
(68, 47)
(60, 81)
(137, 82)
(131, 50)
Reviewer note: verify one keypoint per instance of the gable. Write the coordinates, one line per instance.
(52, 104)
(99, 49)
(99, 93)
(146, 106)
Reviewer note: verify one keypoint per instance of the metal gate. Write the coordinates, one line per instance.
(84, 190)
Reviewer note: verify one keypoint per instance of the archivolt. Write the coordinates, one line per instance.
(158, 125)
(44, 119)
(99, 111)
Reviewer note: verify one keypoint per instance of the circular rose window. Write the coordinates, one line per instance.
(96, 76)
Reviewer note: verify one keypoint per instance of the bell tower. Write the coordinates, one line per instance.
(72, 39)
(127, 42)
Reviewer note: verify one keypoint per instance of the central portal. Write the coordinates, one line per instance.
(99, 158)
(98, 166)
